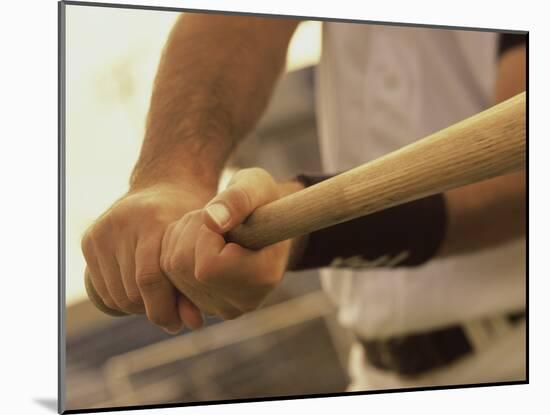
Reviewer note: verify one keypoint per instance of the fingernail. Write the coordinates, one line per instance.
(172, 330)
(219, 214)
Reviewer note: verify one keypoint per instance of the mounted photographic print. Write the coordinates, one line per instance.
(276, 207)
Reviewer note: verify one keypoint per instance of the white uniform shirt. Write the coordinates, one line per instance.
(378, 89)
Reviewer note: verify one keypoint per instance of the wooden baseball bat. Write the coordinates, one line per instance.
(486, 145)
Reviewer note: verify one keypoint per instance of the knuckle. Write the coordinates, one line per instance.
(240, 199)
(149, 280)
(165, 263)
(184, 219)
(250, 172)
(117, 220)
(257, 170)
(102, 230)
(86, 243)
(261, 173)
(193, 216)
(124, 303)
(149, 210)
(238, 175)
(168, 233)
(135, 298)
(177, 263)
(170, 265)
(204, 273)
(119, 297)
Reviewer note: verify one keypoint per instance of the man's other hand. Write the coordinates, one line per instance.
(222, 278)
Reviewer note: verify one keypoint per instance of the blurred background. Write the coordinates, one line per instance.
(292, 345)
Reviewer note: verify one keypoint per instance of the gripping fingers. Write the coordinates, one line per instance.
(97, 290)
(158, 293)
(178, 263)
(127, 265)
(113, 281)
(96, 299)
(231, 271)
(248, 190)
(189, 313)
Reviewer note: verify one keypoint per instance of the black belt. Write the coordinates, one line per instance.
(414, 354)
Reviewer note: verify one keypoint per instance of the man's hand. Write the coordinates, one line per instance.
(122, 252)
(223, 278)
(201, 106)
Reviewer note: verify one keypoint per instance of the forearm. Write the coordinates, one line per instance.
(485, 214)
(213, 82)
(492, 212)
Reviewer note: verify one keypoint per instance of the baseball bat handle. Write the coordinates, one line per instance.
(488, 144)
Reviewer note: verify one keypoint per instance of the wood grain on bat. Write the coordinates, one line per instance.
(486, 145)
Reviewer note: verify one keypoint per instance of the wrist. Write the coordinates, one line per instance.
(203, 183)
(192, 194)
(207, 183)
(184, 165)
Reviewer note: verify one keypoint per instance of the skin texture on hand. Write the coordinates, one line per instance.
(220, 278)
(122, 252)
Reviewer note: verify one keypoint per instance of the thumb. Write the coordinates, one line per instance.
(248, 190)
